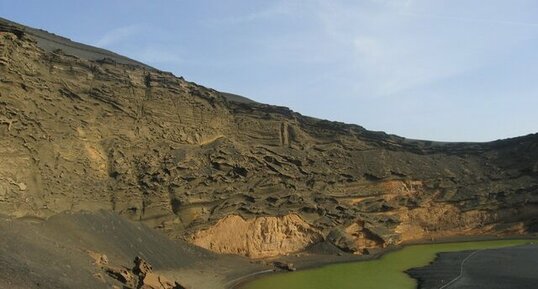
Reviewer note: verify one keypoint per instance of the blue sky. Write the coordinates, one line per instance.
(454, 70)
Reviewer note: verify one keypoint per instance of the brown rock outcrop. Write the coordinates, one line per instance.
(258, 237)
(141, 276)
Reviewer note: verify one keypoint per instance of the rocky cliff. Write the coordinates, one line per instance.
(85, 129)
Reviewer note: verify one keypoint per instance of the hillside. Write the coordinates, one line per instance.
(84, 129)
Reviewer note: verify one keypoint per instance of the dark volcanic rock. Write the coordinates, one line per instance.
(445, 268)
(284, 266)
(504, 268)
(141, 267)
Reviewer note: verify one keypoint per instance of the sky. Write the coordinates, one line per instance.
(446, 70)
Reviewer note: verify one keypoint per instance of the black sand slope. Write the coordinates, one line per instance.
(505, 268)
(445, 268)
(56, 253)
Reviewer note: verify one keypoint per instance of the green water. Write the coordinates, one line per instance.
(386, 272)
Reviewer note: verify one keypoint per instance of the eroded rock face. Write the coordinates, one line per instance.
(258, 237)
(85, 134)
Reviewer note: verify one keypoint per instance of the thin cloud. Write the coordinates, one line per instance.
(396, 4)
(392, 53)
(278, 9)
(117, 35)
(470, 19)
(155, 55)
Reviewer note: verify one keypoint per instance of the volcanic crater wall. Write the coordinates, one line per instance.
(79, 134)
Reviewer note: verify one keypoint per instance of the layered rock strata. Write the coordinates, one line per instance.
(89, 133)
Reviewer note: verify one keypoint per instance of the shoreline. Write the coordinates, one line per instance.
(313, 261)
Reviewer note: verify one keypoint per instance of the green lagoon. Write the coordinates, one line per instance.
(386, 272)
